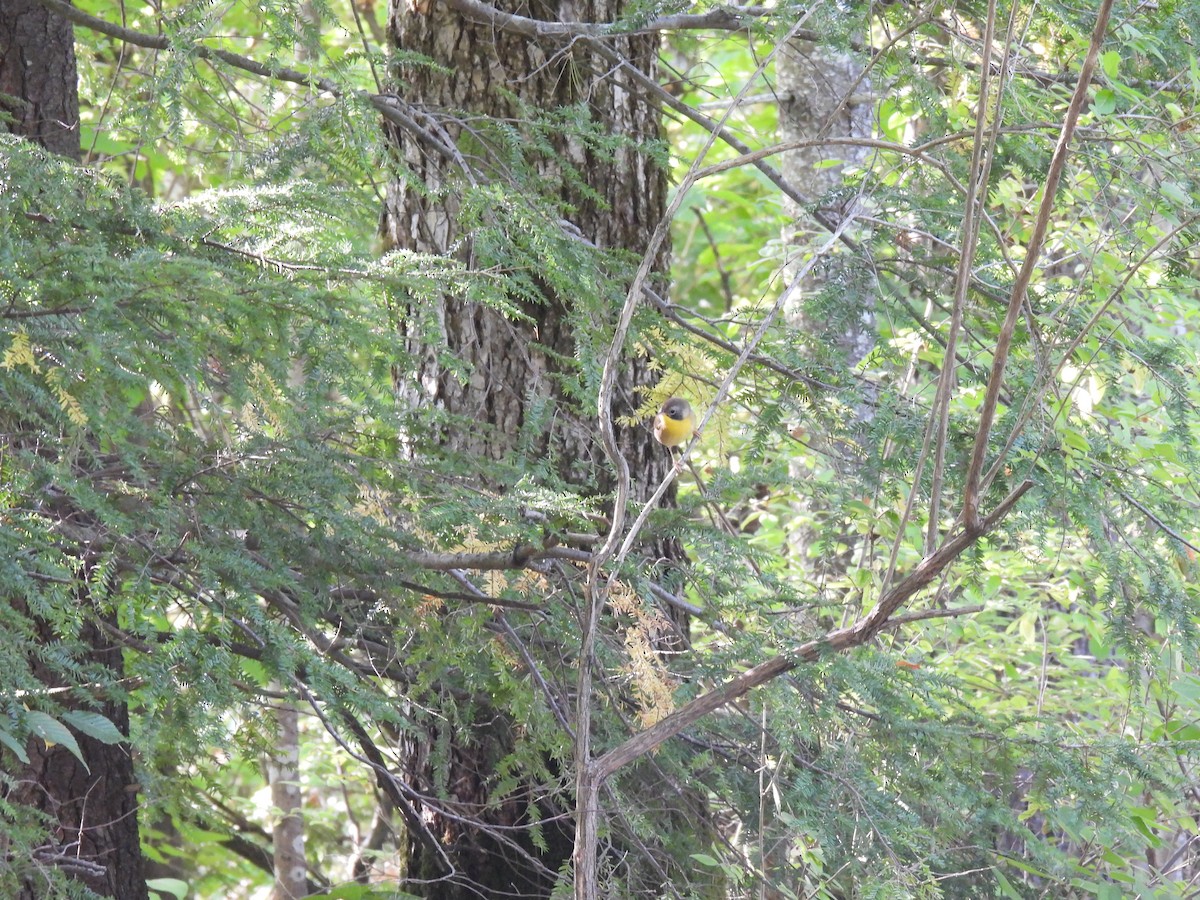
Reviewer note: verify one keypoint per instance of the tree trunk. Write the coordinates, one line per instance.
(821, 91)
(94, 838)
(512, 363)
(37, 76)
(515, 368)
(93, 807)
(283, 771)
(821, 94)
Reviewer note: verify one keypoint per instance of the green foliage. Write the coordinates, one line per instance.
(203, 455)
(1085, 587)
(192, 436)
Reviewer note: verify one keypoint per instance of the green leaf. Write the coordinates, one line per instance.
(1187, 688)
(172, 886)
(1110, 63)
(1027, 867)
(94, 725)
(1145, 819)
(10, 741)
(1006, 887)
(52, 731)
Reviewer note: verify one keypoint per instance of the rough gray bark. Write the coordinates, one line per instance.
(823, 95)
(513, 364)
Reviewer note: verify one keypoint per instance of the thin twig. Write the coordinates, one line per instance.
(734, 370)
(162, 42)
(1033, 401)
(1159, 523)
(920, 614)
(981, 166)
(589, 779)
(518, 558)
(671, 312)
(734, 18)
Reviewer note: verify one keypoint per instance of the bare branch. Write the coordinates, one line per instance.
(977, 182)
(744, 355)
(841, 639)
(588, 779)
(727, 18)
(670, 311)
(517, 558)
(1058, 161)
(162, 42)
(1159, 523)
(920, 614)
(1034, 399)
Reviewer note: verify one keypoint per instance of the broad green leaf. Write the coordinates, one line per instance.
(52, 731)
(1110, 63)
(10, 741)
(94, 725)
(173, 886)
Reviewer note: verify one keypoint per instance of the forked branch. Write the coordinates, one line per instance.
(840, 639)
(1058, 162)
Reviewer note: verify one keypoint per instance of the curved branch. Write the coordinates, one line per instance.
(1033, 254)
(725, 18)
(162, 42)
(840, 639)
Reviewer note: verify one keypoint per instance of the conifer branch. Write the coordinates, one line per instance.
(519, 557)
(734, 370)
(388, 105)
(670, 311)
(1034, 399)
(406, 797)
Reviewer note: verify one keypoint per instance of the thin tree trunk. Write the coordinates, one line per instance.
(291, 872)
(822, 95)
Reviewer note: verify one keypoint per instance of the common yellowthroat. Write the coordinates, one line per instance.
(674, 425)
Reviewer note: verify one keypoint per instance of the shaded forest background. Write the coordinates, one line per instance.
(337, 556)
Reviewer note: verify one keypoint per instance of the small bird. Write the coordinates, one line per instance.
(674, 425)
